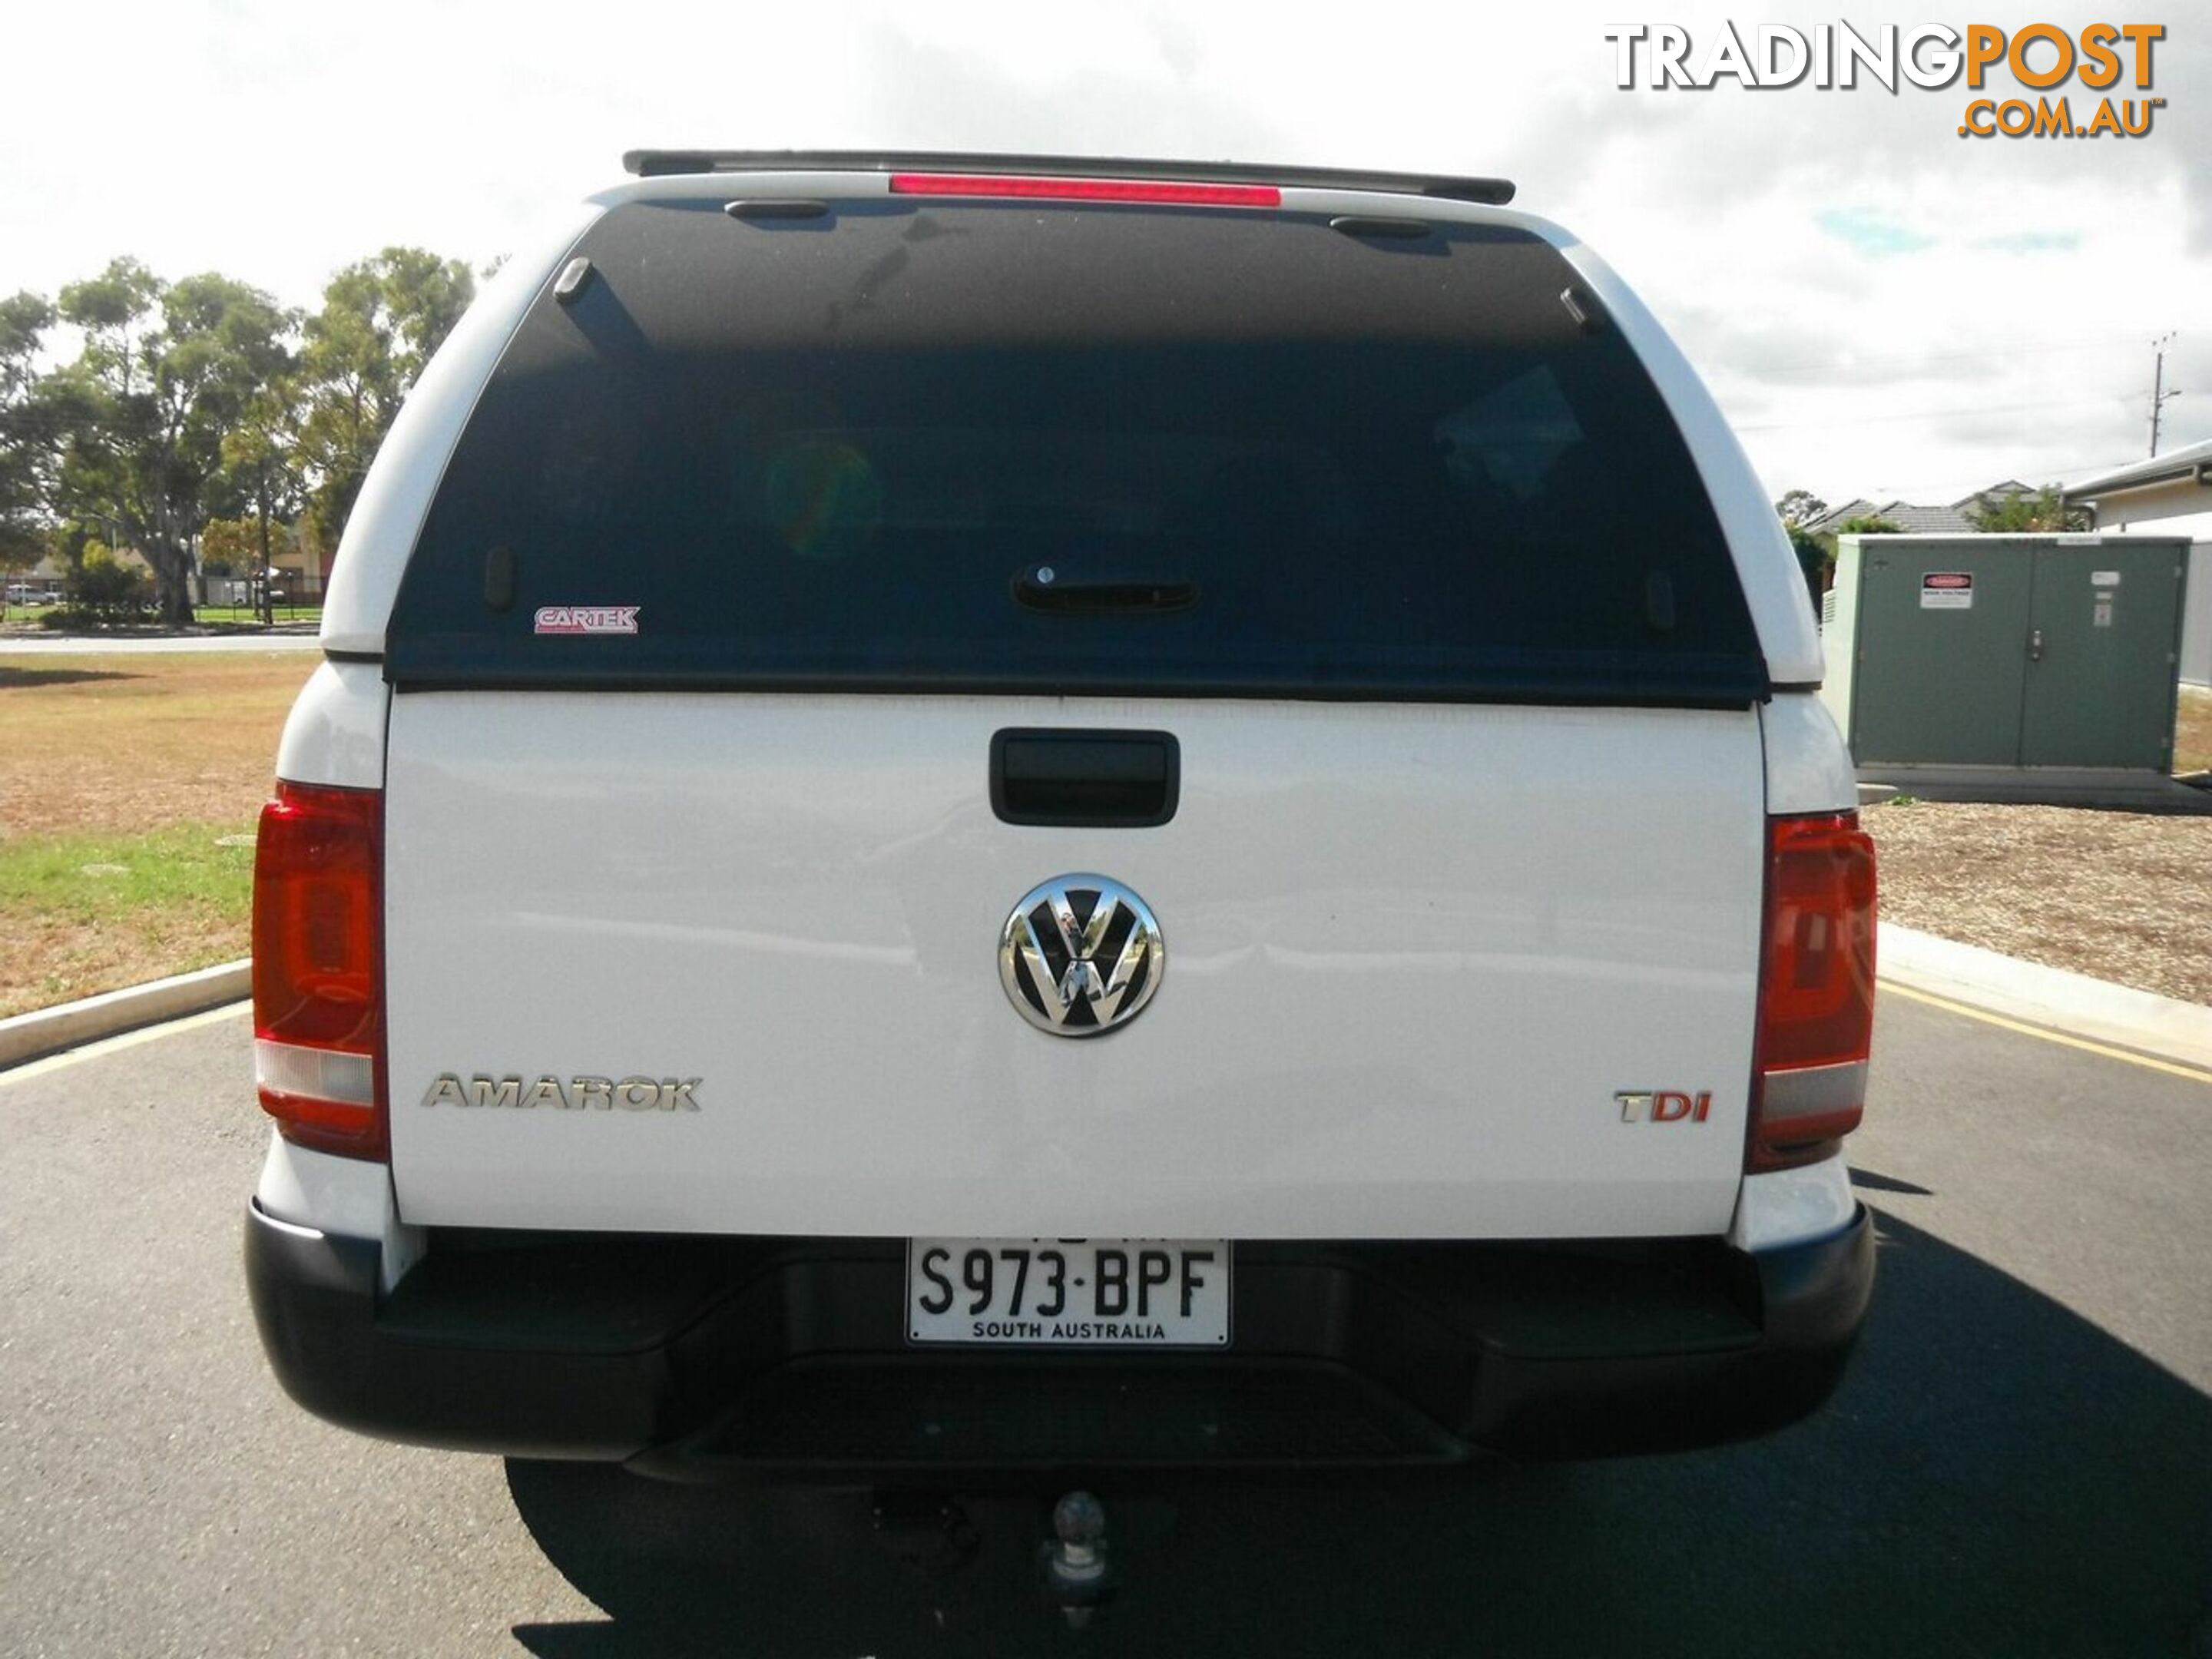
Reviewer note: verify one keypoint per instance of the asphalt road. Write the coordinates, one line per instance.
(2021, 1463)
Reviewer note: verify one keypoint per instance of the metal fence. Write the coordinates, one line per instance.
(291, 590)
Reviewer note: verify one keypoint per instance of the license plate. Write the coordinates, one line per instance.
(1069, 1292)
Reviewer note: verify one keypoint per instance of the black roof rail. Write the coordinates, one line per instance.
(660, 163)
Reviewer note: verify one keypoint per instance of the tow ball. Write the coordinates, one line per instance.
(1078, 1576)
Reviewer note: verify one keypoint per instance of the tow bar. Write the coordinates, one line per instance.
(1077, 1578)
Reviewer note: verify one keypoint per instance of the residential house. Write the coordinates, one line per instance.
(1950, 519)
(2168, 495)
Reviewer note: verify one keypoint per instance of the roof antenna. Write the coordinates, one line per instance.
(2159, 391)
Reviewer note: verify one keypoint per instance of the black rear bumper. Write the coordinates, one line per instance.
(760, 1357)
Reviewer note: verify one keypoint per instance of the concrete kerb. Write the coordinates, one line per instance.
(2162, 1027)
(49, 1031)
(2027, 991)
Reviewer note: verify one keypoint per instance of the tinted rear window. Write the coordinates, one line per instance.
(1073, 449)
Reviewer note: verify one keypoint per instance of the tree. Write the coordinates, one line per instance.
(228, 546)
(1816, 555)
(261, 463)
(107, 587)
(1816, 558)
(26, 447)
(165, 370)
(1799, 507)
(2021, 513)
(380, 320)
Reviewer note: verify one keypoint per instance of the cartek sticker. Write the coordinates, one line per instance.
(1947, 590)
(588, 619)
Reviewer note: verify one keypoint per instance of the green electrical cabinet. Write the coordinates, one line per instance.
(2006, 651)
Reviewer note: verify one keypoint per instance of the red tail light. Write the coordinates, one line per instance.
(319, 967)
(1816, 990)
(1085, 189)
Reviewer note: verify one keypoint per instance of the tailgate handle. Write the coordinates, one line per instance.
(1086, 779)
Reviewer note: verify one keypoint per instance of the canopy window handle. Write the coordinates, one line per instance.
(1101, 593)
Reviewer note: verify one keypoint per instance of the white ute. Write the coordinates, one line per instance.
(949, 782)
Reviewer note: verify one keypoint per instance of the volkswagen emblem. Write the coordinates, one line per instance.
(1080, 955)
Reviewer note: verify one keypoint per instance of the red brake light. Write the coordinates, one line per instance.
(1816, 990)
(318, 967)
(1085, 189)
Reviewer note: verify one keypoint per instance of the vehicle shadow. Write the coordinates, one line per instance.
(12, 677)
(1868, 1181)
(1996, 1476)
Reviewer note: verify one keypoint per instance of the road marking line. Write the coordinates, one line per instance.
(2194, 1073)
(127, 1040)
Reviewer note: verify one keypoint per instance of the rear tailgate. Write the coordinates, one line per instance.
(764, 528)
(1413, 953)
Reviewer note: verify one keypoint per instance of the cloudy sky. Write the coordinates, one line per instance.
(1883, 307)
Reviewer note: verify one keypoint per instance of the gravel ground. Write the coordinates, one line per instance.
(2121, 896)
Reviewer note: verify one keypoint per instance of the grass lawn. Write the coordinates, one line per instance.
(206, 616)
(121, 778)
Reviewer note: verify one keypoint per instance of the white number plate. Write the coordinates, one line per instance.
(1069, 1292)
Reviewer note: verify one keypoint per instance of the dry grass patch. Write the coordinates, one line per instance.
(124, 744)
(2120, 895)
(121, 779)
(2192, 732)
